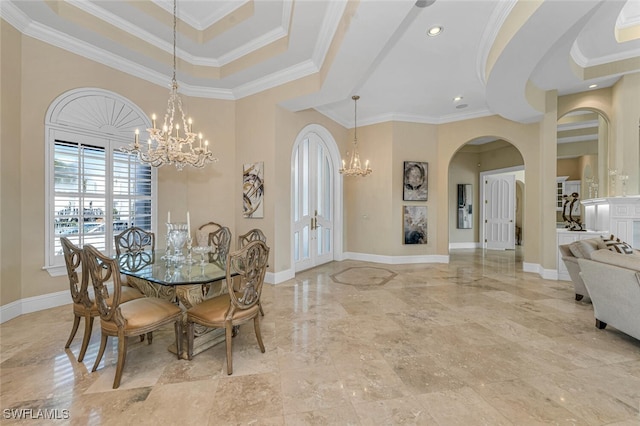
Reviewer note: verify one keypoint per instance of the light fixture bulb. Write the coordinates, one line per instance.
(171, 145)
(434, 31)
(354, 167)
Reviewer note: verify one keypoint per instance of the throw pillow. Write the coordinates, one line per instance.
(616, 245)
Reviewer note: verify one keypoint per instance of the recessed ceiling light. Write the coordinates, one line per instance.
(434, 31)
(593, 86)
(461, 106)
(457, 98)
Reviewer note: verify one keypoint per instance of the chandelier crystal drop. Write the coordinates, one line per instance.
(355, 166)
(175, 143)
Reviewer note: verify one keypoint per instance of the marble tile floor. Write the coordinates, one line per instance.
(473, 342)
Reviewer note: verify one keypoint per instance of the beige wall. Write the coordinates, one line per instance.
(257, 129)
(464, 169)
(10, 165)
(48, 72)
(369, 202)
(569, 167)
(524, 138)
(626, 126)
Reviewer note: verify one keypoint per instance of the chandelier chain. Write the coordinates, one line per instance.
(171, 145)
(355, 166)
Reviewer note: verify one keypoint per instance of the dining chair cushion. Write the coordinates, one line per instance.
(139, 313)
(126, 294)
(214, 310)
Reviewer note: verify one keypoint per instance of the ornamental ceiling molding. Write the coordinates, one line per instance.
(48, 35)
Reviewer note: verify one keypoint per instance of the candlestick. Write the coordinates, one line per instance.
(169, 216)
(136, 136)
(188, 224)
(153, 121)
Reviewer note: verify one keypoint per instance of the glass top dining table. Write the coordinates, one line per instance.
(151, 266)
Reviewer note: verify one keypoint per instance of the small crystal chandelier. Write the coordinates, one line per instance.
(168, 145)
(355, 166)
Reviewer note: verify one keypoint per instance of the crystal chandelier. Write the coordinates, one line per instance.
(175, 143)
(355, 166)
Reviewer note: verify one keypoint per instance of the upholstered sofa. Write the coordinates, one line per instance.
(570, 254)
(612, 280)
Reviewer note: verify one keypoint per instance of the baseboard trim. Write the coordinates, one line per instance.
(397, 260)
(536, 268)
(33, 304)
(279, 277)
(471, 245)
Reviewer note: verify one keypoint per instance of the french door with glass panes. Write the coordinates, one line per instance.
(312, 204)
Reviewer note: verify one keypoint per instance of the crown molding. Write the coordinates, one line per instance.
(335, 10)
(497, 19)
(300, 70)
(14, 16)
(582, 61)
(401, 117)
(204, 22)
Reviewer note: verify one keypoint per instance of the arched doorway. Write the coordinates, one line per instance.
(478, 163)
(316, 228)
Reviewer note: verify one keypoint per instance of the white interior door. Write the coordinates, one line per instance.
(500, 210)
(313, 204)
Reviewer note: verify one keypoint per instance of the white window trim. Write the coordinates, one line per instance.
(65, 126)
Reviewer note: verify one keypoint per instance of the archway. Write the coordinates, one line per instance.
(479, 158)
(316, 193)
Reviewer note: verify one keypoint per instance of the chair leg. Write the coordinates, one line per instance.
(600, 324)
(261, 311)
(122, 356)
(256, 326)
(190, 340)
(103, 345)
(229, 342)
(178, 328)
(149, 337)
(74, 329)
(88, 326)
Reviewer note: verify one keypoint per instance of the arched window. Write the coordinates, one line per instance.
(93, 190)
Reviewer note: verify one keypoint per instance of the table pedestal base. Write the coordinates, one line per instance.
(200, 343)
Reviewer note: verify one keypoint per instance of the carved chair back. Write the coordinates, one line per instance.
(102, 270)
(253, 235)
(220, 242)
(134, 239)
(73, 262)
(250, 263)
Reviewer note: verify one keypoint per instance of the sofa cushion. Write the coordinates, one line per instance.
(584, 248)
(631, 261)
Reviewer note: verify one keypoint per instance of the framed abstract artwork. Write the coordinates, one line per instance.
(253, 190)
(415, 181)
(414, 224)
(465, 206)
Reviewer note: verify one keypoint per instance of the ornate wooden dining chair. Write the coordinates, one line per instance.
(202, 234)
(220, 242)
(83, 306)
(134, 318)
(252, 235)
(134, 239)
(239, 305)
